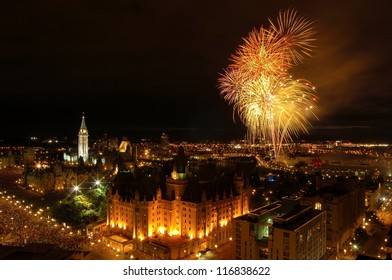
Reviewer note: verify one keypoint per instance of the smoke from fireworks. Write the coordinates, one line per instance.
(272, 104)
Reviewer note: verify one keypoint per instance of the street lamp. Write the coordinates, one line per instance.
(76, 189)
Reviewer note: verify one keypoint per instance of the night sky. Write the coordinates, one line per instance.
(140, 67)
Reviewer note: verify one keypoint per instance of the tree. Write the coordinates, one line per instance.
(82, 209)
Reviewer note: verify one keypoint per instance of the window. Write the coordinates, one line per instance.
(286, 234)
(317, 206)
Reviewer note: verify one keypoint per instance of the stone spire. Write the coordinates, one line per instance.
(83, 125)
(83, 140)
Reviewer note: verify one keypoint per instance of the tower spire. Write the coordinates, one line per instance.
(83, 140)
(83, 125)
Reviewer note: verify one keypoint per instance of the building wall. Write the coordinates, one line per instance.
(83, 146)
(209, 219)
(251, 232)
(245, 245)
(344, 214)
(83, 141)
(307, 242)
(41, 181)
(54, 179)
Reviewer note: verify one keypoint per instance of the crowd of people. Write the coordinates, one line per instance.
(20, 225)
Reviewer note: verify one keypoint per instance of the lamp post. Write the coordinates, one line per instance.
(76, 189)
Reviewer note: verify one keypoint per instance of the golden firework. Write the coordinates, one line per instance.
(272, 104)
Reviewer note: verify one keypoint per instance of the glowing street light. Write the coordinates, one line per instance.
(76, 189)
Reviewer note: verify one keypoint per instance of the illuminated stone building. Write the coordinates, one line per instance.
(144, 205)
(44, 180)
(83, 141)
(55, 178)
(125, 147)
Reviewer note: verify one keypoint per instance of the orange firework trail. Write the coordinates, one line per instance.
(272, 104)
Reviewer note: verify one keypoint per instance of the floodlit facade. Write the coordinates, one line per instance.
(177, 206)
(83, 141)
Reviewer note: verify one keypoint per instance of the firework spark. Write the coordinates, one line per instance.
(272, 104)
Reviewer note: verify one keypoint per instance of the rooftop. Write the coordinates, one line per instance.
(255, 215)
(118, 238)
(296, 218)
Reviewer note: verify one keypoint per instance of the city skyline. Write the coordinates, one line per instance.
(141, 66)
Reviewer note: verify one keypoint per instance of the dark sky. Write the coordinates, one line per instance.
(136, 66)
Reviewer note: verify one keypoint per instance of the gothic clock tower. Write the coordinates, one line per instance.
(83, 141)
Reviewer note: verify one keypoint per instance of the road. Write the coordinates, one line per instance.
(373, 246)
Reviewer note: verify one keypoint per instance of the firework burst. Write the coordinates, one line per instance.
(272, 104)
